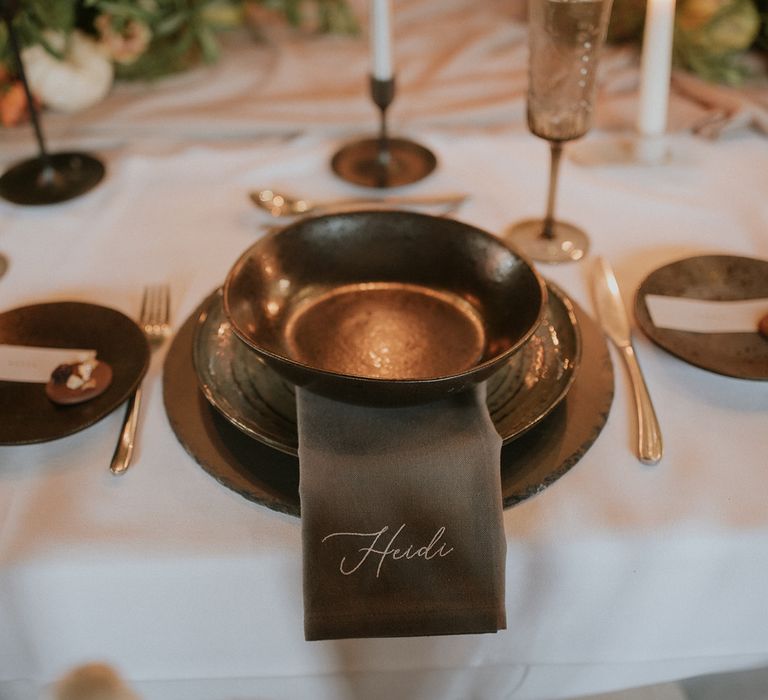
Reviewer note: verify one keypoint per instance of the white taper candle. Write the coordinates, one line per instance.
(381, 40)
(655, 67)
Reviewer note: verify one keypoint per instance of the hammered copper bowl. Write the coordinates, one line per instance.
(383, 307)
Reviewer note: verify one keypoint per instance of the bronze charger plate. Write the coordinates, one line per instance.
(269, 477)
(257, 400)
(26, 413)
(714, 278)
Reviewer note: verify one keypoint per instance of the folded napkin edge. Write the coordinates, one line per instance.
(488, 619)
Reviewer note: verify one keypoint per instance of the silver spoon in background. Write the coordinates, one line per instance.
(279, 205)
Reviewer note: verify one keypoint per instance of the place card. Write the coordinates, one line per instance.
(706, 316)
(23, 363)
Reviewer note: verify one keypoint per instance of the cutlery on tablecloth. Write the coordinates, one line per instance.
(615, 323)
(154, 320)
(280, 205)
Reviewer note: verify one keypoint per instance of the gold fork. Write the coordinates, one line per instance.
(154, 320)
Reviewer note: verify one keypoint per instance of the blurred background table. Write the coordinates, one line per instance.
(618, 575)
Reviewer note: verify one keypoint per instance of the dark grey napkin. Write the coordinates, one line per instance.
(401, 515)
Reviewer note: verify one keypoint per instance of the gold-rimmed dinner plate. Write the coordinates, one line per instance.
(255, 399)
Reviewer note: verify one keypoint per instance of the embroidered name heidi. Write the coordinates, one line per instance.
(435, 548)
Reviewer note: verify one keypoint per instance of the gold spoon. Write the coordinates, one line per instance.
(278, 204)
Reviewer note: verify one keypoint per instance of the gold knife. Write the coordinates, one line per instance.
(615, 323)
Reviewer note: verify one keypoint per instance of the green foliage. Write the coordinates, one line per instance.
(762, 38)
(626, 23)
(711, 36)
(336, 17)
(713, 46)
(183, 31)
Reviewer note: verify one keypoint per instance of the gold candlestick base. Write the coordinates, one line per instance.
(61, 177)
(622, 150)
(366, 163)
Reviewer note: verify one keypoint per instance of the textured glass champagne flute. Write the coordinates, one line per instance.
(565, 40)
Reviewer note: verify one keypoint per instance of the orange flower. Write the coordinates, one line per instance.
(13, 105)
(124, 46)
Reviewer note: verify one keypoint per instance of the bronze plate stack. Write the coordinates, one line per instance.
(382, 308)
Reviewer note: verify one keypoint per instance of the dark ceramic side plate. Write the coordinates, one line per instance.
(714, 278)
(26, 414)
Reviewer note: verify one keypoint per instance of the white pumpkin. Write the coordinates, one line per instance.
(81, 80)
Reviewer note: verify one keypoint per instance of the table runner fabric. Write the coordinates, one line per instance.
(402, 524)
(288, 82)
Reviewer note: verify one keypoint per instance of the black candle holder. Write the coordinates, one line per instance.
(383, 161)
(50, 177)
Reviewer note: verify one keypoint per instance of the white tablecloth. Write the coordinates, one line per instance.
(617, 575)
